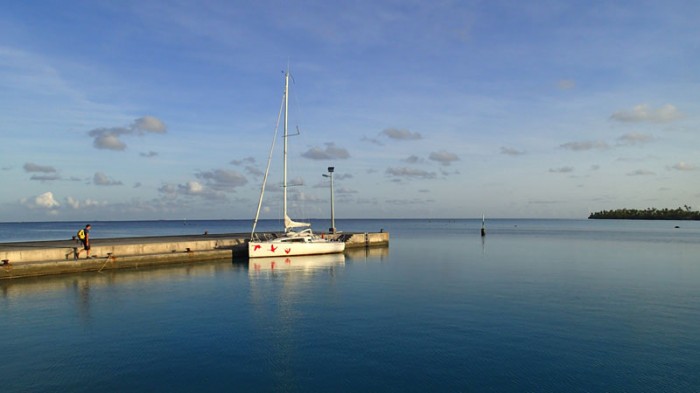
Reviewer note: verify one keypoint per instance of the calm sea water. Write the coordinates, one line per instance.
(536, 306)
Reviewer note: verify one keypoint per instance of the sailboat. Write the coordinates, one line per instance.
(293, 242)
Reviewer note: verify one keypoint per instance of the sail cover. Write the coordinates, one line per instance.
(289, 223)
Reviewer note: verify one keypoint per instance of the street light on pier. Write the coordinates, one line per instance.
(330, 174)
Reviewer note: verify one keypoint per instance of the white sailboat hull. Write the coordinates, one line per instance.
(291, 246)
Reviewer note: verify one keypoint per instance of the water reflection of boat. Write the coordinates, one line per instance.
(295, 263)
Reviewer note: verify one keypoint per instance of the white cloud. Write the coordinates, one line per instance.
(72, 202)
(148, 124)
(641, 172)
(443, 157)
(41, 201)
(46, 172)
(563, 169)
(223, 179)
(511, 152)
(32, 167)
(254, 171)
(247, 164)
(191, 188)
(683, 166)
(300, 196)
(46, 200)
(330, 152)
(42, 178)
(296, 182)
(169, 190)
(634, 138)
(100, 179)
(410, 172)
(345, 190)
(109, 138)
(247, 160)
(643, 113)
(76, 204)
(448, 173)
(373, 141)
(91, 202)
(401, 134)
(584, 145)
(413, 159)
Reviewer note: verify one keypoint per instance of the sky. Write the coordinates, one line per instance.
(166, 110)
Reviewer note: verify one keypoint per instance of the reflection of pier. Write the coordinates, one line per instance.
(367, 254)
(304, 264)
(82, 283)
(84, 290)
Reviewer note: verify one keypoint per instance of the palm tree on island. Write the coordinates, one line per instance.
(652, 213)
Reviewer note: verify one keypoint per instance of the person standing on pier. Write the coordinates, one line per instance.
(84, 237)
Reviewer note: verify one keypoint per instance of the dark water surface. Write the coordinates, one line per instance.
(536, 306)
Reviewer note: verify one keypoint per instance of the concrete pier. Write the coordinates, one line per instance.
(27, 259)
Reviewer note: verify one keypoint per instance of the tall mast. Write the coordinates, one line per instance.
(284, 161)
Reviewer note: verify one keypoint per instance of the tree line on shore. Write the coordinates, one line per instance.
(652, 213)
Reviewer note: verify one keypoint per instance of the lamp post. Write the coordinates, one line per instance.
(330, 174)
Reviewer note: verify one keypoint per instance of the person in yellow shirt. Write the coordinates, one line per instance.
(84, 237)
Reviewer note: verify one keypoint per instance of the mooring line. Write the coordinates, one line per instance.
(109, 257)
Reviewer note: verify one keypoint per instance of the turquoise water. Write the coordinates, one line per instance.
(538, 306)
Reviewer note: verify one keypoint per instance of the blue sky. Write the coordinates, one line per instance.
(166, 109)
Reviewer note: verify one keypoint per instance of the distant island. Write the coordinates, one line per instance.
(681, 213)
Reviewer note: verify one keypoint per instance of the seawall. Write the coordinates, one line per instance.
(27, 259)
